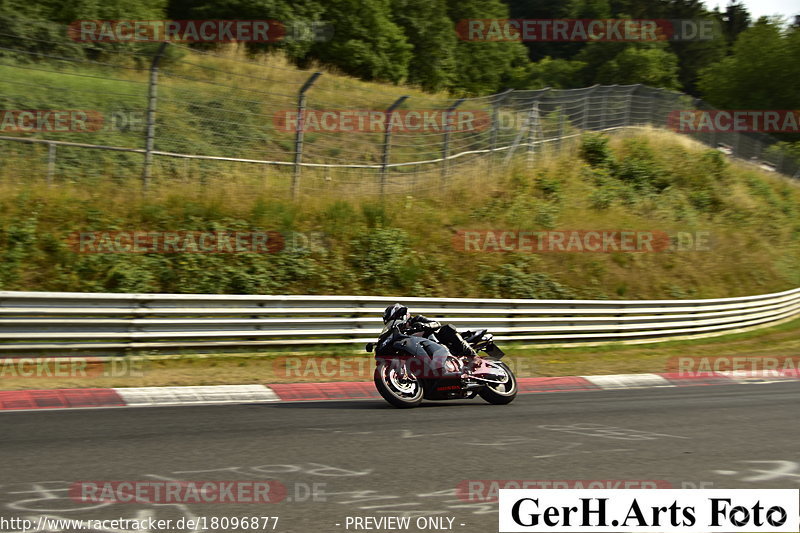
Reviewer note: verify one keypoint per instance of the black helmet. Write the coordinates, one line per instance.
(395, 315)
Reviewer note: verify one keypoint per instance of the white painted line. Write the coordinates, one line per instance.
(626, 381)
(201, 395)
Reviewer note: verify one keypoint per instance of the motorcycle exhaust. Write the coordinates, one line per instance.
(485, 380)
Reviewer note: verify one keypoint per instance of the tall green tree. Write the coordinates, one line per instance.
(556, 73)
(761, 72)
(431, 34)
(70, 10)
(734, 20)
(287, 12)
(366, 42)
(651, 65)
(556, 9)
(694, 54)
(484, 67)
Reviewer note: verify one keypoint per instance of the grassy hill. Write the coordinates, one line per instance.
(645, 180)
(224, 104)
(640, 180)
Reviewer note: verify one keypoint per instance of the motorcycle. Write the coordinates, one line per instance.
(410, 368)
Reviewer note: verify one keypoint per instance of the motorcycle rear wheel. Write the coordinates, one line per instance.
(403, 391)
(501, 394)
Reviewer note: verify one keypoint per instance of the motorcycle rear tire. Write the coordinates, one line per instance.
(501, 398)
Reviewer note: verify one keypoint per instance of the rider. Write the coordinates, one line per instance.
(398, 315)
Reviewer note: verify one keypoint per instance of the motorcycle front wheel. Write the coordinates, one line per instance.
(399, 388)
(501, 393)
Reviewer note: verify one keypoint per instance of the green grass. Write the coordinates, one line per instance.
(639, 180)
(656, 181)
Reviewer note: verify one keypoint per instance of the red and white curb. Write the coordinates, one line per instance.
(293, 392)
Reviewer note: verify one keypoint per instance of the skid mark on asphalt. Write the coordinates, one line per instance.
(608, 432)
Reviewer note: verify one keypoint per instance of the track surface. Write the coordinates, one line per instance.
(373, 460)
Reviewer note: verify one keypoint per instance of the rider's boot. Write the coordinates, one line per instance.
(470, 355)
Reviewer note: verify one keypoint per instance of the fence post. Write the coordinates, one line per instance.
(387, 140)
(655, 110)
(533, 122)
(51, 162)
(446, 140)
(152, 100)
(299, 133)
(629, 108)
(605, 106)
(496, 125)
(586, 107)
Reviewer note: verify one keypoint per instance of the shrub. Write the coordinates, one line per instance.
(602, 198)
(378, 256)
(511, 280)
(595, 150)
(550, 187)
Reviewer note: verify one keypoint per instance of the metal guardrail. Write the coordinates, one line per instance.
(45, 322)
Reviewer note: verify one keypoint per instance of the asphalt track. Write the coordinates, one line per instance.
(369, 459)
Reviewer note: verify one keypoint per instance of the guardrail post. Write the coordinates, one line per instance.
(152, 100)
(446, 140)
(387, 140)
(299, 133)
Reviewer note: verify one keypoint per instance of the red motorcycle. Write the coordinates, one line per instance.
(410, 368)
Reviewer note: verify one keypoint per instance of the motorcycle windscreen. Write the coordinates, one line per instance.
(428, 359)
(420, 347)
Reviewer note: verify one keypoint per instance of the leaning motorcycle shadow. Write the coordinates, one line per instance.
(345, 405)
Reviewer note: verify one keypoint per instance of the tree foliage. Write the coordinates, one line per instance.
(761, 72)
(415, 42)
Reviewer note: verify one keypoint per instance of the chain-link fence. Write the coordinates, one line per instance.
(168, 113)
